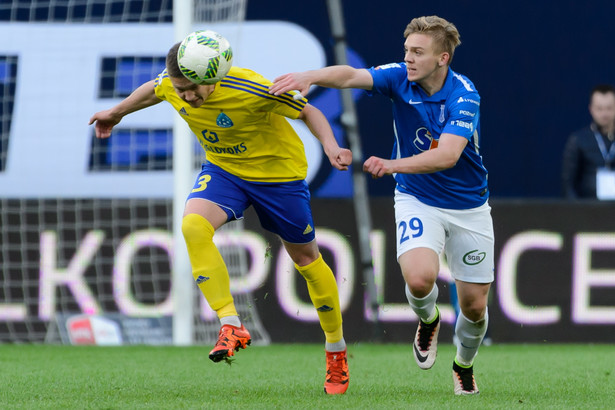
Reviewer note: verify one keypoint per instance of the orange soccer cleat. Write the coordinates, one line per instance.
(230, 339)
(336, 381)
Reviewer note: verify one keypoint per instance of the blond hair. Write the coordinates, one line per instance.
(444, 33)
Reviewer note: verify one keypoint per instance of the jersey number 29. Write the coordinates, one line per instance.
(414, 229)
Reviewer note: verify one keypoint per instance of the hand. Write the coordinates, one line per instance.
(378, 167)
(105, 121)
(289, 82)
(341, 158)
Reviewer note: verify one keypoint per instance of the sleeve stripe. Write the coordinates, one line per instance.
(268, 96)
(244, 84)
(241, 83)
(243, 80)
(160, 77)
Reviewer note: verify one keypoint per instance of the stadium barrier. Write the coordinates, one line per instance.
(554, 270)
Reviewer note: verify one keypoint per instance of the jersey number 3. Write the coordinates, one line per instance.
(201, 184)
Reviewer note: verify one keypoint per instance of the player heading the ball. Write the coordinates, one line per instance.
(254, 158)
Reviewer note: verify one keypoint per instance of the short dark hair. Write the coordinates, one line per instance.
(172, 65)
(602, 89)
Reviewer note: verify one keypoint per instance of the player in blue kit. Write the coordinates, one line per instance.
(441, 197)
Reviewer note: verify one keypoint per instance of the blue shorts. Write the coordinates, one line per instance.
(282, 207)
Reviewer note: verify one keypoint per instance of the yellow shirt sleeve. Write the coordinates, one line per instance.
(243, 129)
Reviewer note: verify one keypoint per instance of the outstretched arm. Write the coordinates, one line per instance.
(143, 97)
(337, 76)
(315, 120)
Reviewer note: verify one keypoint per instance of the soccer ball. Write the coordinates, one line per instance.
(204, 57)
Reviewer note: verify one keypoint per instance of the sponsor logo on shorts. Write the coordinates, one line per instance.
(474, 257)
(308, 229)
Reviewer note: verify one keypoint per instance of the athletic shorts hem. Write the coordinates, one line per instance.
(474, 280)
(232, 216)
(415, 246)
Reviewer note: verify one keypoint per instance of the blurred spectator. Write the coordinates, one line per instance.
(589, 155)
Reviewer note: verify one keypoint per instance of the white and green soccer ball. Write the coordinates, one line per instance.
(205, 57)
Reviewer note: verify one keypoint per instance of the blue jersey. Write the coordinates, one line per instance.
(419, 120)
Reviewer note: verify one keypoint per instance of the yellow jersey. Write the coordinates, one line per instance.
(243, 128)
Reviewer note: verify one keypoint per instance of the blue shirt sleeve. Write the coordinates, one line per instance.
(464, 112)
(385, 77)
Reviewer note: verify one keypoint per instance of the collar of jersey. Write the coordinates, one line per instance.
(441, 94)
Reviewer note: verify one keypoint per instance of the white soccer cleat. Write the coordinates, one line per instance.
(425, 346)
(463, 380)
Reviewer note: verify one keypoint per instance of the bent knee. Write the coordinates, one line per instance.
(195, 227)
(302, 254)
(420, 282)
(475, 311)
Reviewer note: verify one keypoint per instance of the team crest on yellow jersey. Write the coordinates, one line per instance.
(224, 121)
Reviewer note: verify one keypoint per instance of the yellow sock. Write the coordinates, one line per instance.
(208, 268)
(323, 292)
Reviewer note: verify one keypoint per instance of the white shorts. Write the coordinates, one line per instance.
(465, 235)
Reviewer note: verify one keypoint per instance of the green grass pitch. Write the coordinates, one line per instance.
(382, 376)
